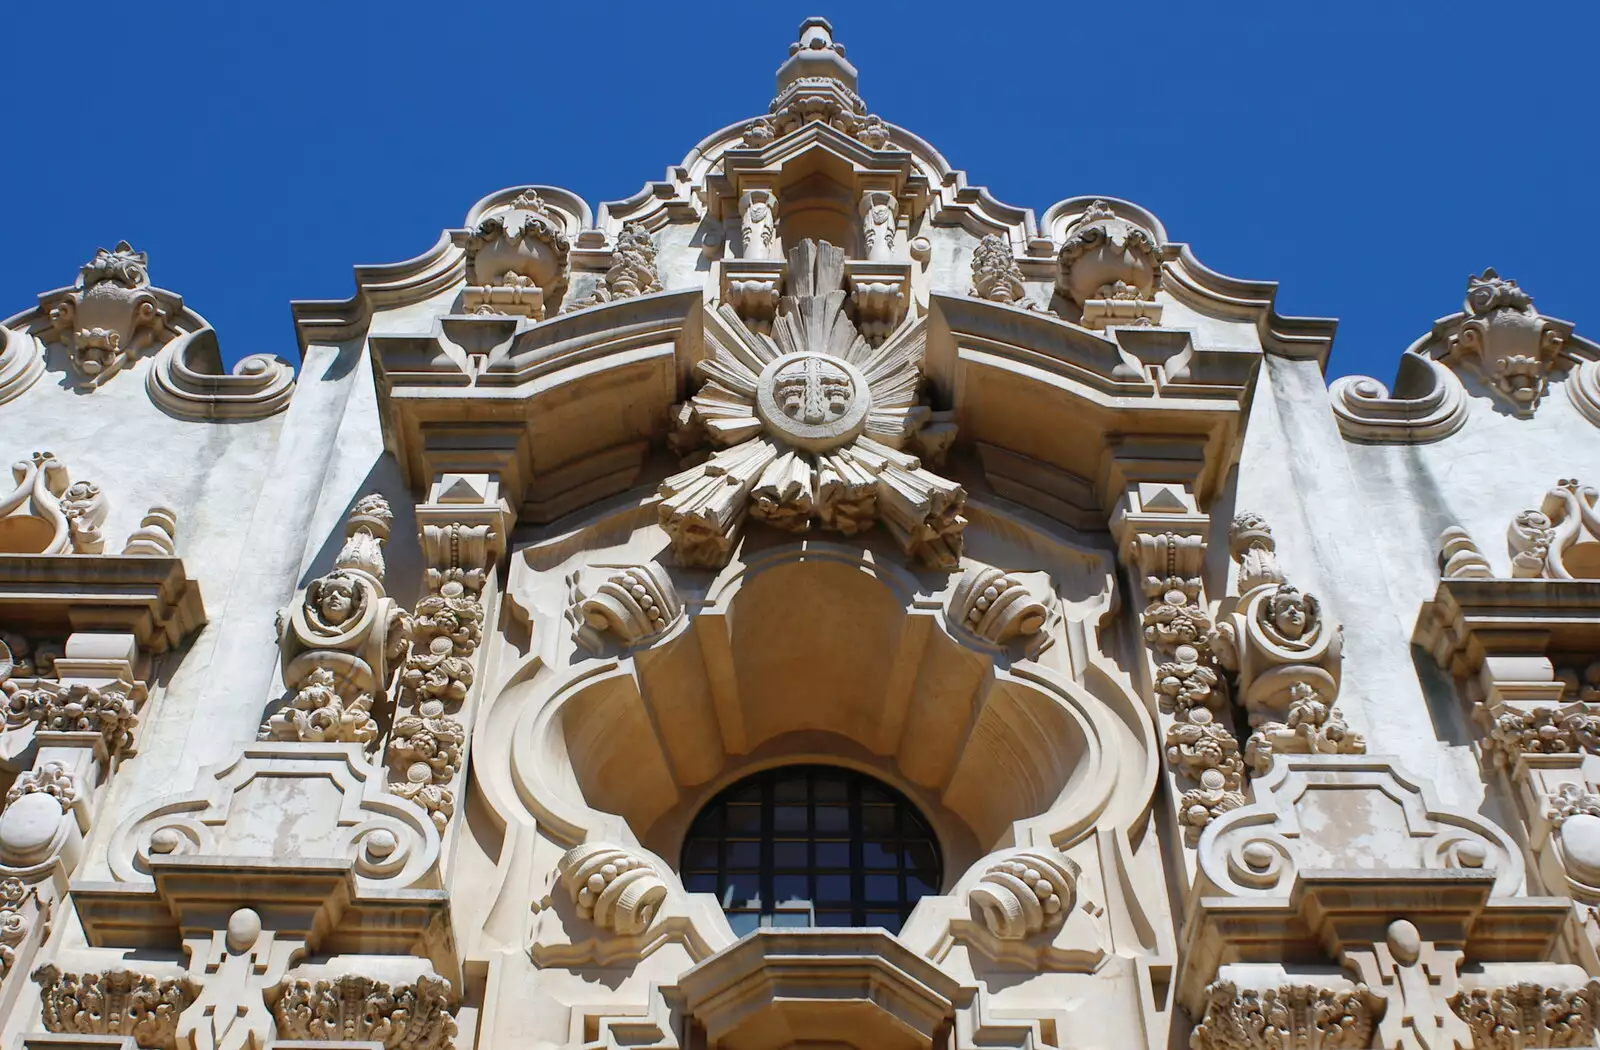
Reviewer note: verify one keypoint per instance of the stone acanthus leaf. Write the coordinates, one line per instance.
(807, 428)
(1529, 1014)
(612, 887)
(49, 513)
(352, 1008)
(995, 274)
(114, 1002)
(632, 271)
(633, 604)
(111, 317)
(1026, 893)
(1290, 1017)
(1512, 732)
(1506, 342)
(1540, 540)
(50, 778)
(76, 708)
(517, 259)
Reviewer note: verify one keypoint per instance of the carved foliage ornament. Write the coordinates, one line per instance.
(809, 427)
(1290, 1017)
(19, 905)
(76, 708)
(632, 272)
(114, 1002)
(1528, 1015)
(517, 259)
(995, 274)
(49, 513)
(1506, 341)
(352, 1008)
(1542, 541)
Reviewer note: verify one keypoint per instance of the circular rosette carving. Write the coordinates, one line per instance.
(612, 887)
(1026, 893)
(814, 401)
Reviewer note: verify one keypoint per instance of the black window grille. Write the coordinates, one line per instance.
(812, 846)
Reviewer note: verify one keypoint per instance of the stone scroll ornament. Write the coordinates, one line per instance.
(1541, 539)
(612, 887)
(1506, 342)
(516, 259)
(111, 317)
(811, 427)
(1110, 267)
(341, 643)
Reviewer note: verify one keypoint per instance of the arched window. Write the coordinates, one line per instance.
(811, 846)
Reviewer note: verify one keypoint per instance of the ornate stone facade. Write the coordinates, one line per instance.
(809, 602)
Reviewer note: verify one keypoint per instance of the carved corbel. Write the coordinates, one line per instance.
(341, 641)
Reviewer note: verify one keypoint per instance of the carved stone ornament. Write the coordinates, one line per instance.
(997, 607)
(1505, 340)
(20, 907)
(632, 272)
(340, 642)
(617, 890)
(1290, 1017)
(21, 362)
(517, 259)
(111, 317)
(1529, 1014)
(995, 274)
(49, 513)
(76, 708)
(446, 628)
(1278, 639)
(52, 778)
(817, 83)
(808, 428)
(1311, 727)
(425, 754)
(352, 1008)
(114, 1002)
(1561, 539)
(1426, 403)
(1111, 268)
(1510, 732)
(1026, 893)
(1460, 557)
(633, 605)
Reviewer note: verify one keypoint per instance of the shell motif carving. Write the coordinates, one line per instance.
(996, 607)
(613, 888)
(1026, 893)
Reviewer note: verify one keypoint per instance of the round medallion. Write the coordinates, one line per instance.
(813, 401)
(1580, 843)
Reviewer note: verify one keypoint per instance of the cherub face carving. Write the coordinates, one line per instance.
(1291, 613)
(333, 600)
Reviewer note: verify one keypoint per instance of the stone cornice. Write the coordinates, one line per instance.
(151, 598)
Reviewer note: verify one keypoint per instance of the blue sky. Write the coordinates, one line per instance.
(1367, 156)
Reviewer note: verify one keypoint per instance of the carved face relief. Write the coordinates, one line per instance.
(813, 401)
(1290, 616)
(333, 601)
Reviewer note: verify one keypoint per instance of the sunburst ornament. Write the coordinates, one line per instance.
(811, 426)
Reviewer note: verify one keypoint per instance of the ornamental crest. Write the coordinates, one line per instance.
(812, 427)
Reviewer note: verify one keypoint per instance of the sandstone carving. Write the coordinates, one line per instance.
(996, 607)
(1426, 404)
(1291, 1016)
(877, 225)
(20, 908)
(1460, 557)
(1561, 539)
(352, 1008)
(51, 778)
(1026, 893)
(758, 226)
(49, 513)
(633, 605)
(517, 259)
(425, 752)
(1310, 727)
(617, 890)
(114, 1002)
(1111, 268)
(446, 627)
(817, 84)
(995, 274)
(340, 643)
(1539, 730)
(632, 271)
(111, 317)
(76, 708)
(807, 427)
(1529, 1014)
(21, 363)
(1505, 340)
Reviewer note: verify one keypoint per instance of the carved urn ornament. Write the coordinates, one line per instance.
(810, 426)
(1506, 341)
(1111, 268)
(517, 260)
(111, 317)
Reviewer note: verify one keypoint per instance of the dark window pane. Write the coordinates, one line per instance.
(833, 818)
(921, 855)
(701, 855)
(885, 888)
(918, 887)
(743, 922)
(889, 920)
(705, 882)
(790, 789)
(792, 918)
(833, 854)
(744, 820)
(834, 918)
(789, 818)
(745, 854)
(834, 889)
(742, 887)
(790, 888)
(877, 820)
(880, 854)
(831, 789)
(790, 854)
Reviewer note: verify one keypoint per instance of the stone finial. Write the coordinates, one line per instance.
(816, 55)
